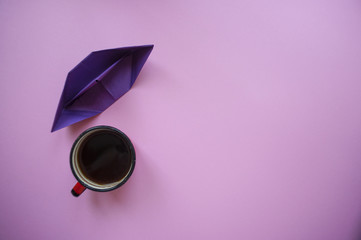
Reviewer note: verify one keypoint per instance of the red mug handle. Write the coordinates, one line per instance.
(77, 189)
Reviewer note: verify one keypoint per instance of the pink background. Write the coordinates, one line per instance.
(246, 120)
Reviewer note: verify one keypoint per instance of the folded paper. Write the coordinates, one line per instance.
(97, 82)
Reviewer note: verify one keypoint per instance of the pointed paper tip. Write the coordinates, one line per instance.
(56, 126)
(53, 129)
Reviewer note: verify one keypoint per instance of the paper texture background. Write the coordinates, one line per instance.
(245, 119)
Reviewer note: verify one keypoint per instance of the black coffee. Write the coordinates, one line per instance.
(104, 157)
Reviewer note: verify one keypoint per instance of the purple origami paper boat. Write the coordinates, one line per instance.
(97, 82)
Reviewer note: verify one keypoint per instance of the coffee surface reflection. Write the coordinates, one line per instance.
(104, 157)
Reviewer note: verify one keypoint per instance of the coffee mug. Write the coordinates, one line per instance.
(102, 159)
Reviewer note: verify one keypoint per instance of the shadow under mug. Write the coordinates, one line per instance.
(102, 159)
